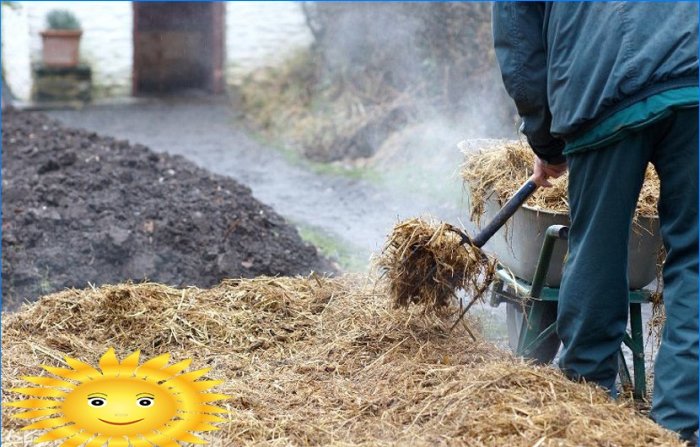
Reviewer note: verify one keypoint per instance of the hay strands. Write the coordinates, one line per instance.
(515, 202)
(429, 268)
(499, 170)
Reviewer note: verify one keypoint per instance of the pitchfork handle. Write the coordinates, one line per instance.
(505, 213)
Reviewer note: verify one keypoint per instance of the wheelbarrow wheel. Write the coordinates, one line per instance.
(547, 350)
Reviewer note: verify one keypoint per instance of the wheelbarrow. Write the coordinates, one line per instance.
(531, 252)
(531, 316)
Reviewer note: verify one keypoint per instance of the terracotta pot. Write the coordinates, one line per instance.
(61, 47)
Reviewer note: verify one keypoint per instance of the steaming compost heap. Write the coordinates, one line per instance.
(503, 169)
(426, 263)
(80, 208)
(316, 361)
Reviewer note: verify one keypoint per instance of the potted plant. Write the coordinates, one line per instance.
(61, 39)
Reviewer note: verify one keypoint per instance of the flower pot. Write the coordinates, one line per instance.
(61, 47)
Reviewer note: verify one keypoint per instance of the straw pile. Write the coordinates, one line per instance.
(426, 263)
(324, 120)
(311, 361)
(504, 169)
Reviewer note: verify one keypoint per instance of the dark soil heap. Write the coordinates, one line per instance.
(79, 208)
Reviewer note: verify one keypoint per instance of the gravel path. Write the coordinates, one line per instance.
(207, 132)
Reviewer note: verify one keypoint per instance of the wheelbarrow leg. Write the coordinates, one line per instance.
(530, 329)
(640, 386)
(623, 371)
(538, 339)
(635, 341)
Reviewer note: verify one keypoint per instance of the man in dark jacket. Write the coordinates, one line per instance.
(606, 88)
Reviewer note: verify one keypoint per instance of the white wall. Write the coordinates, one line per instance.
(258, 34)
(15, 51)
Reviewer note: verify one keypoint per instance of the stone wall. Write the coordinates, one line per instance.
(257, 34)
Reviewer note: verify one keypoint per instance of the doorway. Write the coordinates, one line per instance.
(178, 46)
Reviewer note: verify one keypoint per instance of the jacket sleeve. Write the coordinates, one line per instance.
(520, 51)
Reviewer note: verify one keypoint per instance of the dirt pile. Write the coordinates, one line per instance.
(80, 208)
(315, 361)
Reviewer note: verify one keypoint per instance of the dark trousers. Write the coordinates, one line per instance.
(604, 185)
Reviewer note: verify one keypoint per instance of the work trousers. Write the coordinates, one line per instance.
(604, 185)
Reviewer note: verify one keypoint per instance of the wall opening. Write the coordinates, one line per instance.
(178, 46)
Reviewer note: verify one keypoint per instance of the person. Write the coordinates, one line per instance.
(603, 89)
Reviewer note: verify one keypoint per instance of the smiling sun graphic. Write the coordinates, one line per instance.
(122, 403)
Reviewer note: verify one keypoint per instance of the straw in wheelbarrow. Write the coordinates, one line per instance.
(499, 171)
(427, 262)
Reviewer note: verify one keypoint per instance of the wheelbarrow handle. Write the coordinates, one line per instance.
(515, 202)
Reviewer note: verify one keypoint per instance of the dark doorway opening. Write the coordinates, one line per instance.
(178, 46)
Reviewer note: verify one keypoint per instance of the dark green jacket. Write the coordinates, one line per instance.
(570, 65)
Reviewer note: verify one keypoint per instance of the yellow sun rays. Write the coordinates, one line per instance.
(70, 410)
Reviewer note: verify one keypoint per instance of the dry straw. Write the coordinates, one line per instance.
(425, 262)
(315, 361)
(502, 170)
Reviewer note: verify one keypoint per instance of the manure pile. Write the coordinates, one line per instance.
(317, 361)
(79, 208)
(501, 170)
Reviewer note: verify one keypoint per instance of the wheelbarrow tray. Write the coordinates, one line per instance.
(517, 245)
